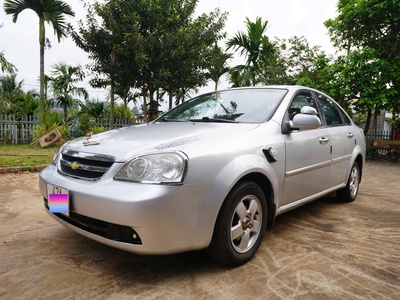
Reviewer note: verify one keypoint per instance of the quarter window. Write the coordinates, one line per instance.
(333, 115)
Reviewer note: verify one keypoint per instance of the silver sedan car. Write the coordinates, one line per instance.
(211, 173)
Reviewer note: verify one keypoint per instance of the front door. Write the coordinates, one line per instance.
(308, 156)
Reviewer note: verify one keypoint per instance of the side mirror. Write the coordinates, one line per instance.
(307, 119)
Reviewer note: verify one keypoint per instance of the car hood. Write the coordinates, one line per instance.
(127, 142)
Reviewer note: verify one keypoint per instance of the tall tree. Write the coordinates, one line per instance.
(295, 62)
(358, 83)
(305, 62)
(100, 42)
(372, 26)
(52, 12)
(63, 85)
(257, 49)
(155, 44)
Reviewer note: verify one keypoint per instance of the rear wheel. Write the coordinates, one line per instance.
(241, 225)
(349, 193)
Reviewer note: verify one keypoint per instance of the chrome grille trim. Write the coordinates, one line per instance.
(82, 165)
(89, 156)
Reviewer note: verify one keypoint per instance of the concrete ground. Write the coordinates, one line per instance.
(324, 250)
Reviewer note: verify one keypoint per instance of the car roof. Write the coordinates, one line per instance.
(288, 87)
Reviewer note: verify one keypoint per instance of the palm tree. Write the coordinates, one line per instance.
(10, 88)
(51, 11)
(126, 95)
(256, 46)
(13, 100)
(94, 108)
(64, 88)
(5, 65)
(218, 60)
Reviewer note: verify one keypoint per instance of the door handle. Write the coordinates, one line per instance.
(324, 140)
(350, 135)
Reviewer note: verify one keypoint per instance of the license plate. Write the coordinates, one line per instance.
(58, 199)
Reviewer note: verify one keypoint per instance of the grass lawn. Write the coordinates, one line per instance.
(25, 155)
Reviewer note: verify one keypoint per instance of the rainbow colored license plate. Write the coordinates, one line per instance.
(58, 199)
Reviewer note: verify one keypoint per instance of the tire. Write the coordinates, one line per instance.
(350, 191)
(240, 226)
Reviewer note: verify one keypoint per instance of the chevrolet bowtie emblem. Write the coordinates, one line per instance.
(74, 165)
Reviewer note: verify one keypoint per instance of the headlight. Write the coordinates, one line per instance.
(160, 168)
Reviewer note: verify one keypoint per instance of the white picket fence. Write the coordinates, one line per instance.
(17, 131)
(20, 131)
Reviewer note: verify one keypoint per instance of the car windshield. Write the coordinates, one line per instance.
(238, 105)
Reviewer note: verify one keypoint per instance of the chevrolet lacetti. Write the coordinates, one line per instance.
(211, 173)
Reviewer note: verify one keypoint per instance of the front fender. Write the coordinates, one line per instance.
(228, 176)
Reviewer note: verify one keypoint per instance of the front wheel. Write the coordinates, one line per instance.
(240, 226)
(350, 191)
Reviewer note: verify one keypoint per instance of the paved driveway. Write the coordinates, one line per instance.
(324, 250)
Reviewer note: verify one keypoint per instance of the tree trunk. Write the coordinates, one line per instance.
(170, 97)
(367, 122)
(42, 33)
(375, 123)
(146, 119)
(65, 112)
(112, 99)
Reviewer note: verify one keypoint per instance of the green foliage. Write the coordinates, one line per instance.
(296, 62)
(5, 65)
(85, 123)
(218, 64)
(367, 23)
(42, 129)
(97, 129)
(121, 112)
(369, 32)
(13, 100)
(94, 108)
(52, 120)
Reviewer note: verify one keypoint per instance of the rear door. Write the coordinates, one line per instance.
(342, 139)
(307, 155)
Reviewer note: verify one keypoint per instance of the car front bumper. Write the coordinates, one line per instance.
(162, 219)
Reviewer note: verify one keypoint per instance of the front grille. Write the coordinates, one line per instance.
(85, 165)
(107, 230)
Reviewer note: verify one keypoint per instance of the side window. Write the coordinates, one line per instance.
(345, 118)
(333, 115)
(301, 99)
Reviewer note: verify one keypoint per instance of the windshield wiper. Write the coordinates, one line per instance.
(207, 119)
(165, 119)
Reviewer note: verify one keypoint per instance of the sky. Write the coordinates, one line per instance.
(286, 18)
